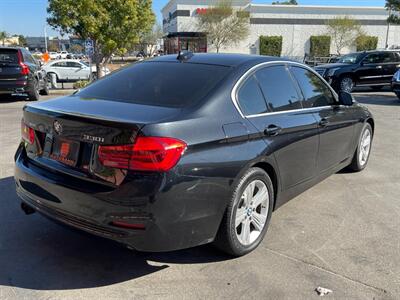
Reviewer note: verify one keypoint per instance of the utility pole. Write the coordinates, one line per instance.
(45, 38)
(387, 31)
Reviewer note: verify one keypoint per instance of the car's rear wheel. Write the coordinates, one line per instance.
(361, 156)
(33, 94)
(247, 216)
(346, 84)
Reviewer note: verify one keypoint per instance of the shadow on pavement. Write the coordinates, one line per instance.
(377, 99)
(10, 99)
(36, 253)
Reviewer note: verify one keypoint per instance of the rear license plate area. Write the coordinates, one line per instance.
(65, 151)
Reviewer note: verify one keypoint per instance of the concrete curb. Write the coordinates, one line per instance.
(63, 92)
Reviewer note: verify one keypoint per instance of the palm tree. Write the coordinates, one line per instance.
(3, 36)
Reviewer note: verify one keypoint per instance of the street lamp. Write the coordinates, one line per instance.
(45, 37)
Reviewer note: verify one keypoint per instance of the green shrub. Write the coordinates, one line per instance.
(365, 43)
(80, 84)
(320, 45)
(271, 45)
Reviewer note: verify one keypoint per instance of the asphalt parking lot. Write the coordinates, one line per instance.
(343, 234)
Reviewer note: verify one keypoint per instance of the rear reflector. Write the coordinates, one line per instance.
(147, 154)
(28, 134)
(121, 224)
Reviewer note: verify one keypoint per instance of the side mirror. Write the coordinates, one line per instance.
(346, 98)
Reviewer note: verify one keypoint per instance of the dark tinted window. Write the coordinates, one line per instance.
(250, 98)
(60, 64)
(158, 83)
(315, 91)
(8, 56)
(379, 58)
(278, 88)
(72, 64)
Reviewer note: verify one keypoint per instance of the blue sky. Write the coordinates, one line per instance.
(28, 17)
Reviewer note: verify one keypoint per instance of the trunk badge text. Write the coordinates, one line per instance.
(93, 138)
(57, 127)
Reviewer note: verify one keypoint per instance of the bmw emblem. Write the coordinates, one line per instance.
(57, 127)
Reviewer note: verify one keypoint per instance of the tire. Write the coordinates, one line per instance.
(45, 90)
(33, 94)
(346, 84)
(230, 237)
(360, 158)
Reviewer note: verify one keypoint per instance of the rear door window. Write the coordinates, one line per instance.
(378, 58)
(315, 91)
(169, 84)
(278, 88)
(251, 100)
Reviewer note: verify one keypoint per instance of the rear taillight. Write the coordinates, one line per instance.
(24, 67)
(147, 154)
(28, 134)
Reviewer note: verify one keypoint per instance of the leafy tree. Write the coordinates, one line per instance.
(271, 45)
(112, 25)
(320, 46)
(76, 48)
(290, 2)
(22, 41)
(224, 25)
(344, 31)
(3, 37)
(150, 39)
(394, 7)
(365, 42)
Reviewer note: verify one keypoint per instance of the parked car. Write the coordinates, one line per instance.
(62, 54)
(21, 74)
(396, 84)
(69, 70)
(373, 69)
(161, 162)
(54, 55)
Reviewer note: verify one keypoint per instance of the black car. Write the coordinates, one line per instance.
(181, 151)
(373, 69)
(21, 74)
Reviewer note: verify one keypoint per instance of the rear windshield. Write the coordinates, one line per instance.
(166, 84)
(8, 56)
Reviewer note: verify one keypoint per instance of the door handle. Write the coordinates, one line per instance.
(379, 67)
(272, 130)
(324, 122)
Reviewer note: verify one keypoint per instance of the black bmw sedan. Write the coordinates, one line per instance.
(184, 150)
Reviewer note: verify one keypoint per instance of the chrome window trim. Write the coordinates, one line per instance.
(254, 68)
(307, 109)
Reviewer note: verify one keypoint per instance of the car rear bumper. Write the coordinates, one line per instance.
(170, 218)
(14, 86)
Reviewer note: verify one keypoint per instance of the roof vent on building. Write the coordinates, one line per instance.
(184, 55)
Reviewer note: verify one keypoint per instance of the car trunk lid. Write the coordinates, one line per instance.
(69, 130)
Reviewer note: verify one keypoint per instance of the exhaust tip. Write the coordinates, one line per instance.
(28, 210)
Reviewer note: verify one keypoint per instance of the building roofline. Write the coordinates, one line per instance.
(319, 6)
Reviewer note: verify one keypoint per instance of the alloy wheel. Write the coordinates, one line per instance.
(251, 212)
(365, 147)
(347, 84)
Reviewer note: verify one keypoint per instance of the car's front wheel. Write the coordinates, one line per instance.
(361, 156)
(346, 84)
(247, 216)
